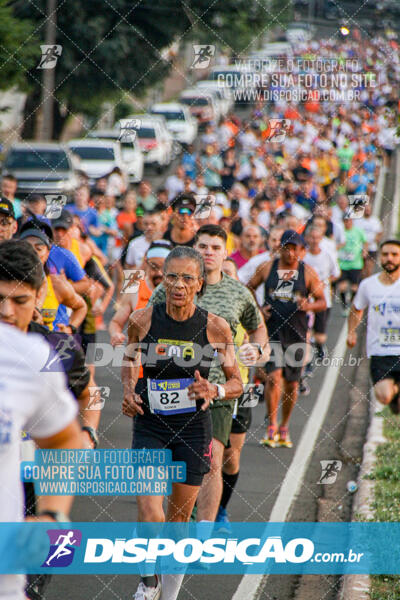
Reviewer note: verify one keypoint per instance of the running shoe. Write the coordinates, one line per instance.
(271, 437)
(222, 523)
(148, 593)
(304, 388)
(284, 438)
(321, 351)
(309, 370)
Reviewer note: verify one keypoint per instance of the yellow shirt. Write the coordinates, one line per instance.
(76, 251)
(50, 305)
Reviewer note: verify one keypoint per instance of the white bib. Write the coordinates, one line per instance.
(170, 396)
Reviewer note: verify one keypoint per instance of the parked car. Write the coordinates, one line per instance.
(180, 122)
(131, 152)
(201, 104)
(154, 139)
(98, 157)
(239, 79)
(42, 168)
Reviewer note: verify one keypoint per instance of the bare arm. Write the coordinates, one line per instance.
(355, 317)
(316, 288)
(66, 295)
(260, 275)
(119, 320)
(89, 417)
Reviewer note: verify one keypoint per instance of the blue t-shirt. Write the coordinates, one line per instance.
(59, 260)
(88, 217)
(361, 181)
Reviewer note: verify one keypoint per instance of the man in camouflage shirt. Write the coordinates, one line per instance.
(232, 301)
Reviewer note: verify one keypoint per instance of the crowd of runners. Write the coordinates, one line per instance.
(222, 280)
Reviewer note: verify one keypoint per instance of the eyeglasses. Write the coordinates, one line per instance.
(5, 221)
(185, 211)
(172, 278)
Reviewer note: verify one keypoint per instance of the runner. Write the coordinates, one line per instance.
(232, 301)
(8, 223)
(153, 230)
(183, 225)
(373, 229)
(185, 426)
(351, 261)
(328, 270)
(289, 285)
(154, 263)
(380, 293)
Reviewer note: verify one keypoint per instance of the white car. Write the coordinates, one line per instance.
(98, 157)
(277, 49)
(154, 139)
(201, 104)
(299, 32)
(239, 79)
(180, 122)
(131, 152)
(223, 94)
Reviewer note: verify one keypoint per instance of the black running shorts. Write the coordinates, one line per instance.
(242, 421)
(190, 440)
(384, 367)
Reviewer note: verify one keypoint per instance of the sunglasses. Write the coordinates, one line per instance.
(184, 210)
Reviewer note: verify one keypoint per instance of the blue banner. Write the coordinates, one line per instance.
(103, 472)
(258, 548)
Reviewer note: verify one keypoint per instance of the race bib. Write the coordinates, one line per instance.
(170, 396)
(389, 336)
(347, 256)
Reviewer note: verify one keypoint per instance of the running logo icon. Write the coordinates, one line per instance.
(62, 547)
(204, 205)
(50, 55)
(330, 470)
(277, 129)
(357, 204)
(97, 397)
(62, 352)
(55, 204)
(132, 278)
(129, 129)
(202, 56)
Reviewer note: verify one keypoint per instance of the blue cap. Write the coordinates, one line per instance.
(292, 237)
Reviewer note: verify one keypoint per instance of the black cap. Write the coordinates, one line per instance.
(65, 220)
(290, 236)
(34, 225)
(38, 233)
(6, 208)
(184, 201)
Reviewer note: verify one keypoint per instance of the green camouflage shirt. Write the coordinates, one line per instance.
(228, 299)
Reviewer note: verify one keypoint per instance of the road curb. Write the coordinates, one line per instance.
(356, 587)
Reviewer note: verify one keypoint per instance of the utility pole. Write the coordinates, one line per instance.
(45, 128)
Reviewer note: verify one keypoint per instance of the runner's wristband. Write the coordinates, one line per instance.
(57, 515)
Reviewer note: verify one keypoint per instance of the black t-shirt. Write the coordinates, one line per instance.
(167, 236)
(73, 359)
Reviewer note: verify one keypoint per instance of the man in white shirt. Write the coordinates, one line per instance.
(40, 404)
(380, 293)
(246, 272)
(372, 228)
(175, 184)
(327, 269)
(153, 230)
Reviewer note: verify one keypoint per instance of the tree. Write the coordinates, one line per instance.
(18, 48)
(112, 48)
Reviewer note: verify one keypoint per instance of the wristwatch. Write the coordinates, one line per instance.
(92, 434)
(57, 515)
(259, 348)
(221, 392)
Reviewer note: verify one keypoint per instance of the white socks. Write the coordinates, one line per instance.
(170, 586)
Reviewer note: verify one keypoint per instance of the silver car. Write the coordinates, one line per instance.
(41, 168)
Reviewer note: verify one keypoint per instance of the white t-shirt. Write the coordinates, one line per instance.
(31, 400)
(371, 227)
(246, 272)
(326, 267)
(136, 250)
(329, 246)
(174, 185)
(383, 303)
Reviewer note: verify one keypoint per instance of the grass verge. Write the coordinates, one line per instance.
(386, 475)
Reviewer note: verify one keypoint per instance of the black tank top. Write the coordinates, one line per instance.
(282, 290)
(173, 350)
